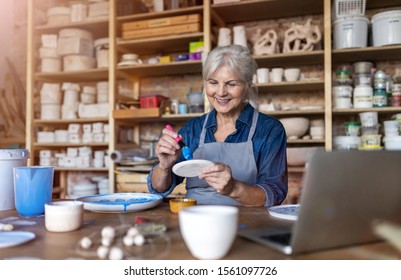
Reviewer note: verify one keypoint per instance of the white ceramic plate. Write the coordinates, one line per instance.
(120, 202)
(288, 212)
(191, 168)
(14, 238)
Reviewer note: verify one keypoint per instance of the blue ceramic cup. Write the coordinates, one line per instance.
(33, 186)
(183, 108)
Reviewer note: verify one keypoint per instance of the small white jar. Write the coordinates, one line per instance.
(363, 96)
(64, 216)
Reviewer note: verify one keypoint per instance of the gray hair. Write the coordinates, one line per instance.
(239, 60)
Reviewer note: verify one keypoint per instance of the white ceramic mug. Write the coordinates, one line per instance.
(263, 75)
(277, 75)
(209, 230)
(64, 216)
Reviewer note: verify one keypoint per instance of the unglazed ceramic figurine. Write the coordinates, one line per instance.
(266, 43)
(299, 38)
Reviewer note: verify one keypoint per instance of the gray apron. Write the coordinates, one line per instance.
(240, 158)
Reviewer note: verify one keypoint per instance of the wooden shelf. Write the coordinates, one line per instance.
(291, 86)
(130, 120)
(381, 110)
(91, 75)
(98, 27)
(303, 141)
(67, 122)
(65, 145)
(79, 169)
(167, 13)
(160, 45)
(163, 69)
(253, 10)
(290, 59)
(373, 54)
(294, 112)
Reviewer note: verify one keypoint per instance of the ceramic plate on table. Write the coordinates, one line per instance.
(288, 212)
(191, 168)
(14, 238)
(120, 202)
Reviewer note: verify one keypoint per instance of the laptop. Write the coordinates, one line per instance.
(343, 193)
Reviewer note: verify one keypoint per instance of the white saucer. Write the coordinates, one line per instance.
(191, 168)
(14, 238)
(287, 212)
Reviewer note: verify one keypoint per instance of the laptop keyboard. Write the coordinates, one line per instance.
(283, 238)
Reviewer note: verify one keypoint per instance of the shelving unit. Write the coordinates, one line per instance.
(213, 17)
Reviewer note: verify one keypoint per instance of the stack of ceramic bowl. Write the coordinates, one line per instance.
(83, 188)
(371, 139)
(392, 139)
(50, 100)
(88, 95)
(316, 129)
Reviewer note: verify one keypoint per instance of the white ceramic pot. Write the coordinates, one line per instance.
(386, 28)
(351, 32)
(64, 216)
(292, 74)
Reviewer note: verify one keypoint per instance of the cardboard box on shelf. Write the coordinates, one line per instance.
(162, 26)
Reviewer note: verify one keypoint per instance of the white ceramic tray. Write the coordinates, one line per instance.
(120, 202)
(287, 212)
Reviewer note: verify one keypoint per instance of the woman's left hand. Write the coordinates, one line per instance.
(219, 176)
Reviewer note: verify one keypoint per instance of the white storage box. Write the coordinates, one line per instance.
(50, 112)
(78, 63)
(99, 9)
(58, 15)
(45, 137)
(75, 32)
(100, 110)
(49, 40)
(48, 52)
(386, 28)
(79, 12)
(61, 136)
(75, 45)
(51, 64)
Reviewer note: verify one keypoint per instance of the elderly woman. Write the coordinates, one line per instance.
(248, 148)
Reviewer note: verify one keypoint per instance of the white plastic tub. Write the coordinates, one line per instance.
(8, 160)
(351, 32)
(386, 28)
(392, 143)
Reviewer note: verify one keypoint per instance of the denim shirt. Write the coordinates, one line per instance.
(269, 146)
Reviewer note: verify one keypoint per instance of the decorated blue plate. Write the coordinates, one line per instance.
(288, 212)
(120, 202)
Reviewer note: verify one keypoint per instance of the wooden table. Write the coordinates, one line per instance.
(170, 245)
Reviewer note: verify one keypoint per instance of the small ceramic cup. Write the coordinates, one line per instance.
(64, 216)
(177, 204)
(263, 75)
(277, 75)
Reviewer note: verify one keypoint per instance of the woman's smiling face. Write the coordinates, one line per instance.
(225, 91)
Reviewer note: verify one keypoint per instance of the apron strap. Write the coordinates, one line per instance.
(253, 127)
(203, 133)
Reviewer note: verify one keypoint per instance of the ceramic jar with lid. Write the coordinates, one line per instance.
(363, 96)
(396, 95)
(342, 97)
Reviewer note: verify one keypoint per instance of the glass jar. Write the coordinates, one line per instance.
(380, 97)
(342, 97)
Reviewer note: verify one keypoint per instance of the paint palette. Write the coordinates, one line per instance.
(287, 212)
(120, 202)
(191, 168)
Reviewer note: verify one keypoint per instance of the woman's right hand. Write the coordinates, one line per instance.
(167, 149)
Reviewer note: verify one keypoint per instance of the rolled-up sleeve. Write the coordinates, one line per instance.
(176, 180)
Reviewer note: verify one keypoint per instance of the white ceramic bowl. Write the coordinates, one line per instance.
(64, 216)
(298, 156)
(209, 230)
(292, 74)
(295, 127)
